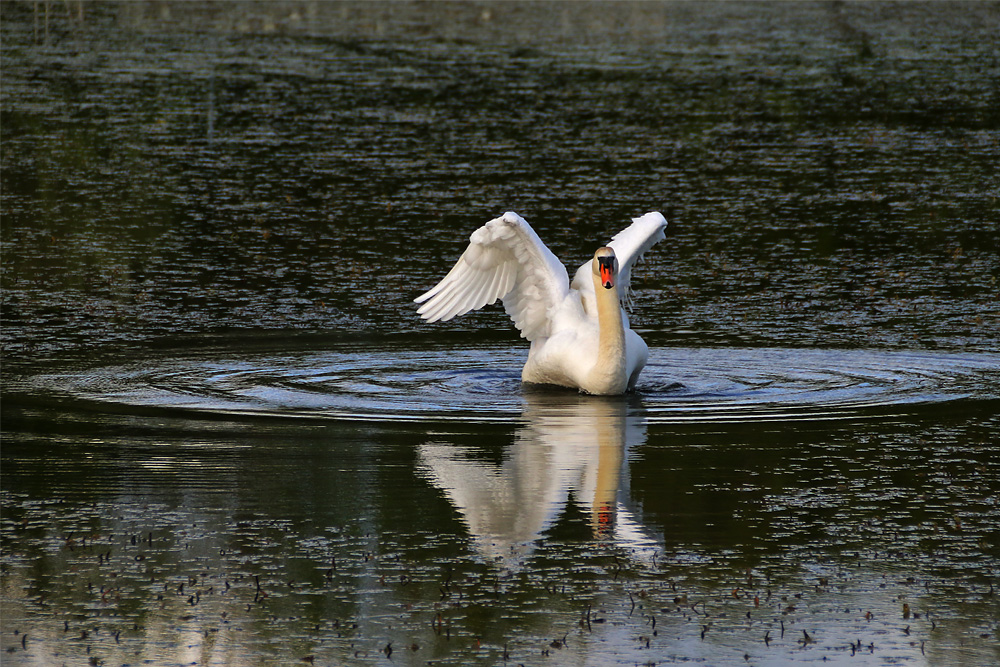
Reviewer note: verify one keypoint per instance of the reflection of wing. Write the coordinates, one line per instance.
(505, 260)
(505, 507)
(629, 245)
(571, 445)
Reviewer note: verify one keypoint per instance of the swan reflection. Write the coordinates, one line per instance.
(573, 448)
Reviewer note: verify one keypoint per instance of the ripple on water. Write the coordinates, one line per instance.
(445, 384)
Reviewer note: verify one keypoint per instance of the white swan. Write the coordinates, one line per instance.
(579, 332)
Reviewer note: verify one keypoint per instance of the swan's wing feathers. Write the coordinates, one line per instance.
(631, 244)
(505, 260)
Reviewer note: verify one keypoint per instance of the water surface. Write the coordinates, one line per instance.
(419, 380)
(228, 439)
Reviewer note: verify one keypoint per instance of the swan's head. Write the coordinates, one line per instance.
(605, 266)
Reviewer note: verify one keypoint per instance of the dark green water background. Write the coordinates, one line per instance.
(229, 440)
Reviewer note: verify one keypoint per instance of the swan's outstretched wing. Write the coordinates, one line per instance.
(629, 245)
(505, 260)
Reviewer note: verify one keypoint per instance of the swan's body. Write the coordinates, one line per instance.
(579, 333)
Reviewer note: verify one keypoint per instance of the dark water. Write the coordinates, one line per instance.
(228, 440)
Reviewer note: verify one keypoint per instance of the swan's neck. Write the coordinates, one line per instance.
(608, 375)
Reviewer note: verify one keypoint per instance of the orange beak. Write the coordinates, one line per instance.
(606, 278)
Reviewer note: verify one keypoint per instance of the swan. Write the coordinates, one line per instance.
(579, 332)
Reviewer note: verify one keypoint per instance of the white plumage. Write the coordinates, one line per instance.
(577, 338)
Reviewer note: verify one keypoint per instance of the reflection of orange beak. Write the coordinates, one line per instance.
(606, 277)
(605, 527)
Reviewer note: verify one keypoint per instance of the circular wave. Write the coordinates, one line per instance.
(737, 384)
(389, 383)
